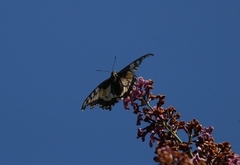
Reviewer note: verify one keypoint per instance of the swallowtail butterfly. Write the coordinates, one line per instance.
(118, 86)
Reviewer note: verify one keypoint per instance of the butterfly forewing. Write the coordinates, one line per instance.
(115, 88)
(97, 94)
(132, 67)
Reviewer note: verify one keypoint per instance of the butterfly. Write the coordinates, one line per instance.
(117, 87)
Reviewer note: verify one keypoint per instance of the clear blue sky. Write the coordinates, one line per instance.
(50, 51)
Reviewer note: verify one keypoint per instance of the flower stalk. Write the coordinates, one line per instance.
(163, 125)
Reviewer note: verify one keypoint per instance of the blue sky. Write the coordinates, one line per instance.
(50, 51)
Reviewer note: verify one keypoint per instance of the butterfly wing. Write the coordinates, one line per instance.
(133, 66)
(116, 87)
(99, 96)
(127, 74)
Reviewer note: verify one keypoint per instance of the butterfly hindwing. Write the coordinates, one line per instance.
(115, 88)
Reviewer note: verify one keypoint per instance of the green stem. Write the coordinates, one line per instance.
(168, 127)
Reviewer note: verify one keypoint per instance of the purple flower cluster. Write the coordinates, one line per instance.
(163, 125)
(139, 91)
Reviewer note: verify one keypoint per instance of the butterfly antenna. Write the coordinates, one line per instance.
(99, 70)
(114, 62)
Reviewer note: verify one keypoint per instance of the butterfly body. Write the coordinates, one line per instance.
(118, 86)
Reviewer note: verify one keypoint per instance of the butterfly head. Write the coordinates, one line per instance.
(114, 76)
